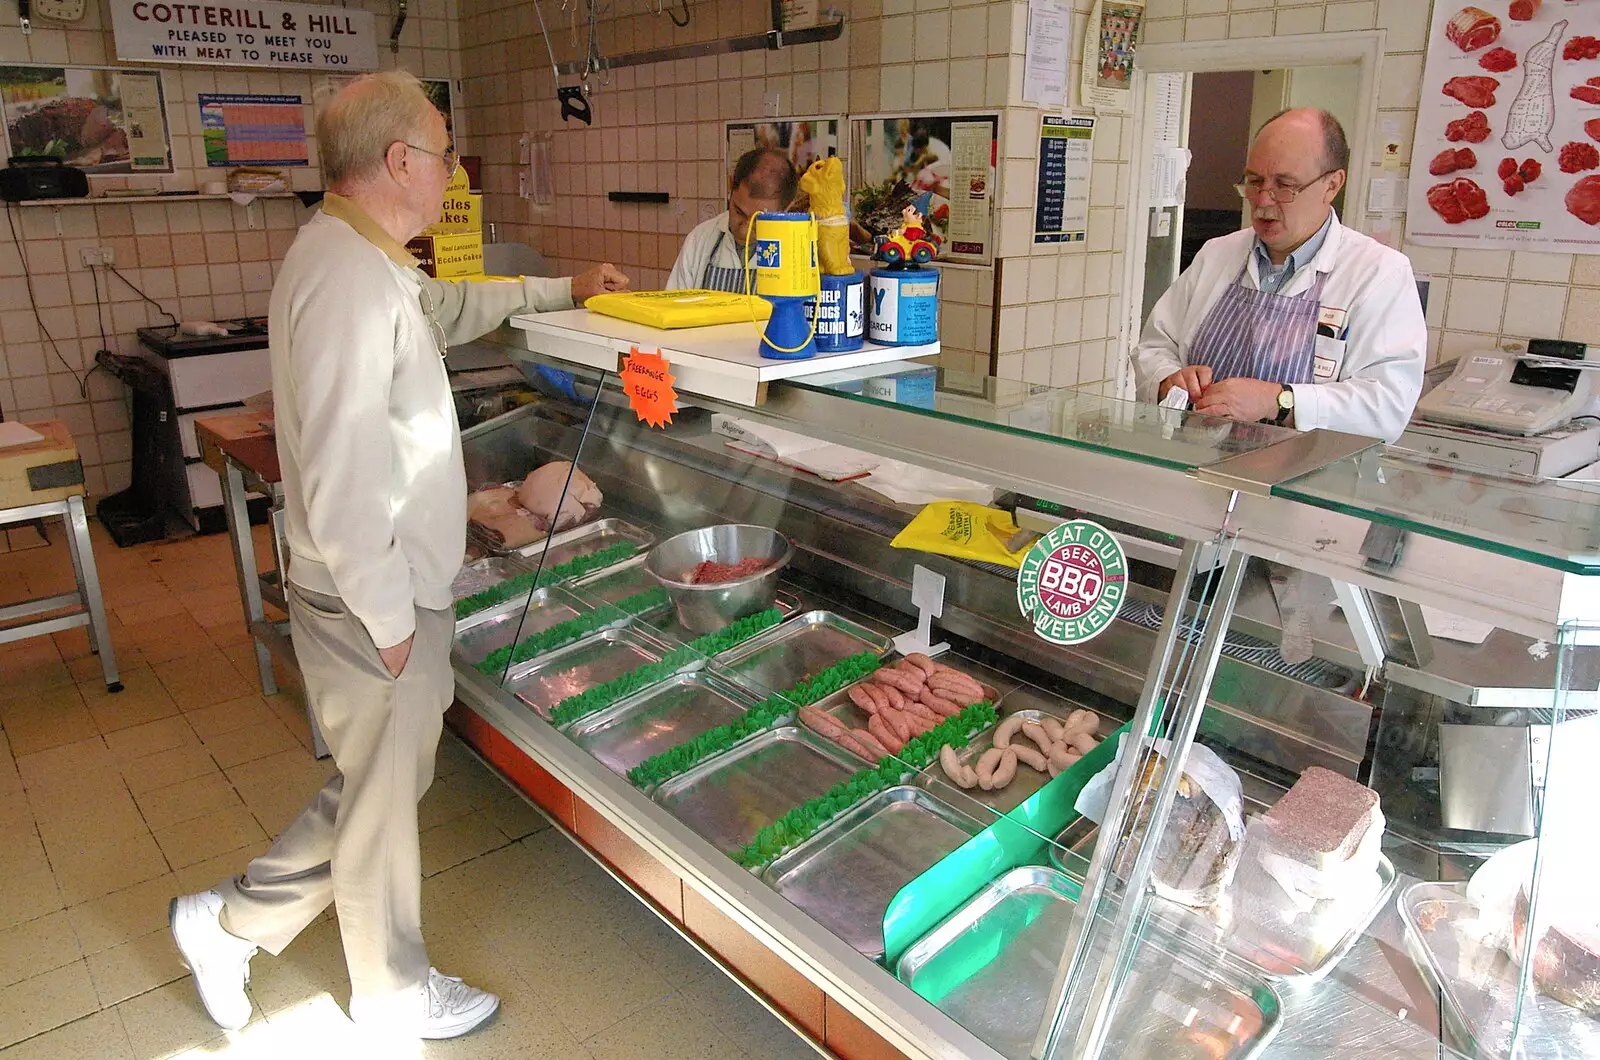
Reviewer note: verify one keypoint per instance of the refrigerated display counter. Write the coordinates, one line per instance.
(897, 849)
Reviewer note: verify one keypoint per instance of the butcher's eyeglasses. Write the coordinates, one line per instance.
(448, 156)
(1251, 187)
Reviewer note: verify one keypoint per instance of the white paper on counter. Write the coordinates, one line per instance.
(823, 459)
(17, 434)
(1454, 627)
(908, 484)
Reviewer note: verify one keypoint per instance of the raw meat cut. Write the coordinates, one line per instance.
(1459, 200)
(1498, 60)
(547, 494)
(1473, 91)
(1524, 10)
(1472, 28)
(1474, 128)
(1581, 48)
(1514, 184)
(1533, 112)
(1506, 169)
(1514, 177)
(1451, 159)
(1583, 200)
(1587, 93)
(711, 572)
(1592, 127)
(1530, 169)
(1577, 157)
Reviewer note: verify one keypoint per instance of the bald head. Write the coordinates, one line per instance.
(1308, 129)
(357, 126)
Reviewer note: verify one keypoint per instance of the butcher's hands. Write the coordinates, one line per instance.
(1194, 379)
(598, 280)
(395, 656)
(1239, 399)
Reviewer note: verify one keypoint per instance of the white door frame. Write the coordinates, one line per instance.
(1363, 48)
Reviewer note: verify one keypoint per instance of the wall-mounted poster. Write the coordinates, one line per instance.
(261, 33)
(944, 164)
(250, 130)
(100, 119)
(804, 140)
(1507, 147)
(1109, 49)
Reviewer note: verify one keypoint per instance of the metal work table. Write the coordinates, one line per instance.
(245, 456)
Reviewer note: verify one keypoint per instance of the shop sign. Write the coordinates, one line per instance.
(1072, 582)
(245, 33)
(647, 381)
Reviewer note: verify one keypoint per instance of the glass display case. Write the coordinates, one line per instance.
(1317, 786)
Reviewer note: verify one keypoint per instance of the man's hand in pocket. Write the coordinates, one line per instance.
(394, 657)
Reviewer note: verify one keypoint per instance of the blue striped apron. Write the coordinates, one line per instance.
(1255, 335)
(716, 278)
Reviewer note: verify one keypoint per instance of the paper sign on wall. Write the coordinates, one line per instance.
(261, 33)
(1066, 158)
(251, 130)
(647, 381)
(1044, 68)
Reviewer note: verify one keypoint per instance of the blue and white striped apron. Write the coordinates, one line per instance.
(1255, 335)
(716, 278)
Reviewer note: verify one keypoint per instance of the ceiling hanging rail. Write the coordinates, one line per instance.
(769, 41)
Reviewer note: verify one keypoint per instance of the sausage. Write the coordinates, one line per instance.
(1029, 756)
(959, 689)
(860, 698)
(1053, 769)
(897, 698)
(945, 708)
(1061, 757)
(1035, 732)
(986, 766)
(1006, 771)
(950, 762)
(847, 740)
(897, 722)
(896, 679)
(871, 743)
(820, 722)
(1054, 729)
(1082, 721)
(1083, 743)
(876, 694)
(952, 677)
(1007, 729)
(886, 736)
(918, 709)
(922, 662)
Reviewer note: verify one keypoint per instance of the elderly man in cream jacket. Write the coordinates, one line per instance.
(375, 500)
(1296, 320)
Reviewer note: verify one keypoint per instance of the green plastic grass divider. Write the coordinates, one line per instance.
(601, 696)
(522, 583)
(675, 760)
(572, 630)
(805, 820)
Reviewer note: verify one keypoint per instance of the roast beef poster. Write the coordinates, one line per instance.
(1507, 148)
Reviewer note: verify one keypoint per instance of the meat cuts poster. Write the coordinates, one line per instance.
(1507, 148)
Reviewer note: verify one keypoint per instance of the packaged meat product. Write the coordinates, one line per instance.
(1524, 10)
(1474, 128)
(1577, 157)
(1472, 28)
(1460, 200)
(1473, 90)
(559, 503)
(1498, 60)
(1583, 200)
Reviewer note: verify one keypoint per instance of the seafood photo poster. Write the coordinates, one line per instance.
(1507, 147)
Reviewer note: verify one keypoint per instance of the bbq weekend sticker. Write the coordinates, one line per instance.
(1072, 582)
(1507, 147)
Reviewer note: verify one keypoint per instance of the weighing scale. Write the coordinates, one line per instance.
(1511, 413)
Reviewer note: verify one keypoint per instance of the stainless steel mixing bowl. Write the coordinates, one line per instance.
(709, 607)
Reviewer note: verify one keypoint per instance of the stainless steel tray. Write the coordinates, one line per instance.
(658, 718)
(494, 627)
(582, 540)
(845, 876)
(992, 965)
(801, 647)
(1287, 959)
(483, 574)
(615, 583)
(1478, 983)
(731, 796)
(1028, 780)
(544, 682)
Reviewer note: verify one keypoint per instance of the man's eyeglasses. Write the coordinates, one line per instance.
(435, 329)
(448, 155)
(1252, 187)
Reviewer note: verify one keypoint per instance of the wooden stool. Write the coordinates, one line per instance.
(42, 479)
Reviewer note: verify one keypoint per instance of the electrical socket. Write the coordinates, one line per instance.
(96, 256)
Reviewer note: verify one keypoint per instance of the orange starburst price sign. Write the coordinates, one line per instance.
(647, 380)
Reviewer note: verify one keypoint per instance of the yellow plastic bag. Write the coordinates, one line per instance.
(681, 309)
(962, 529)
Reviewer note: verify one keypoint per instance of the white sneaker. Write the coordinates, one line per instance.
(219, 960)
(447, 1008)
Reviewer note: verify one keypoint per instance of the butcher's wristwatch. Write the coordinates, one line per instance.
(1285, 404)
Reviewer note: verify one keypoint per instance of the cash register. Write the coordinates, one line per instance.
(1512, 412)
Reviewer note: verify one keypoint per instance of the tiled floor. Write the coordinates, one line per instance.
(111, 804)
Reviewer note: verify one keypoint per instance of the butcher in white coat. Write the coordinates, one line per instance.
(1296, 320)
